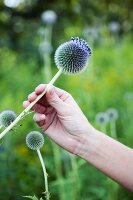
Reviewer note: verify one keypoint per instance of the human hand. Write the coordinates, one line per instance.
(59, 117)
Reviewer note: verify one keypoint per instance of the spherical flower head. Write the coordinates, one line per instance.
(49, 17)
(128, 96)
(112, 114)
(114, 27)
(34, 140)
(7, 117)
(101, 118)
(72, 56)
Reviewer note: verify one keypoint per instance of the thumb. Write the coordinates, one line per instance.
(54, 100)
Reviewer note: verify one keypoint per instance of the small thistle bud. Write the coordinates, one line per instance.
(112, 114)
(7, 117)
(101, 118)
(49, 17)
(34, 140)
(72, 56)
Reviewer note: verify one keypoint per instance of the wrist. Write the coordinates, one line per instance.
(87, 143)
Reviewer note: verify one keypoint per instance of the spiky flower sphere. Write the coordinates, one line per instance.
(49, 17)
(7, 117)
(112, 114)
(34, 140)
(101, 118)
(72, 56)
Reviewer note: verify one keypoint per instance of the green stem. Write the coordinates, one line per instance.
(113, 129)
(45, 174)
(47, 67)
(46, 57)
(75, 173)
(103, 128)
(22, 114)
(114, 191)
(57, 161)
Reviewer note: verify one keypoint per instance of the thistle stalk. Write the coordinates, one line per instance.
(44, 172)
(22, 114)
(71, 58)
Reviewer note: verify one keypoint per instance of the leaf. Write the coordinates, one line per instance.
(32, 197)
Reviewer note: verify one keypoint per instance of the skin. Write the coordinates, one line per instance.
(59, 116)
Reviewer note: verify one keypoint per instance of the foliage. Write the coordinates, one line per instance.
(102, 85)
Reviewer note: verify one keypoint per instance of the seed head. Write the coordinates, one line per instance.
(34, 140)
(112, 114)
(7, 117)
(49, 17)
(72, 56)
(101, 118)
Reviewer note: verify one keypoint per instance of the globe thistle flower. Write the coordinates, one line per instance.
(114, 27)
(101, 118)
(7, 117)
(49, 17)
(72, 56)
(91, 32)
(34, 140)
(128, 96)
(112, 114)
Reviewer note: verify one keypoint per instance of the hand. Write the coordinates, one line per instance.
(59, 117)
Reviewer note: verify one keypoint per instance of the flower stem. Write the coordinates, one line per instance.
(44, 172)
(113, 129)
(30, 106)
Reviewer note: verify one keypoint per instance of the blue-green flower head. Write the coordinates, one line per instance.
(34, 140)
(72, 56)
(49, 17)
(112, 114)
(101, 118)
(7, 117)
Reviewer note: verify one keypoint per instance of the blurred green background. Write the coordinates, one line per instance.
(27, 46)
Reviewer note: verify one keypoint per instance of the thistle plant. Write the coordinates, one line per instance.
(112, 114)
(71, 58)
(129, 100)
(35, 141)
(6, 118)
(114, 28)
(102, 120)
(48, 18)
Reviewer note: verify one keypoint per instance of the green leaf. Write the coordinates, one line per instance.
(32, 197)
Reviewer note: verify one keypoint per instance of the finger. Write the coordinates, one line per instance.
(26, 104)
(40, 88)
(54, 100)
(39, 108)
(39, 119)
(32, 97)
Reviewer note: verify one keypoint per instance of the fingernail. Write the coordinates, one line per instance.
(42, 117)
